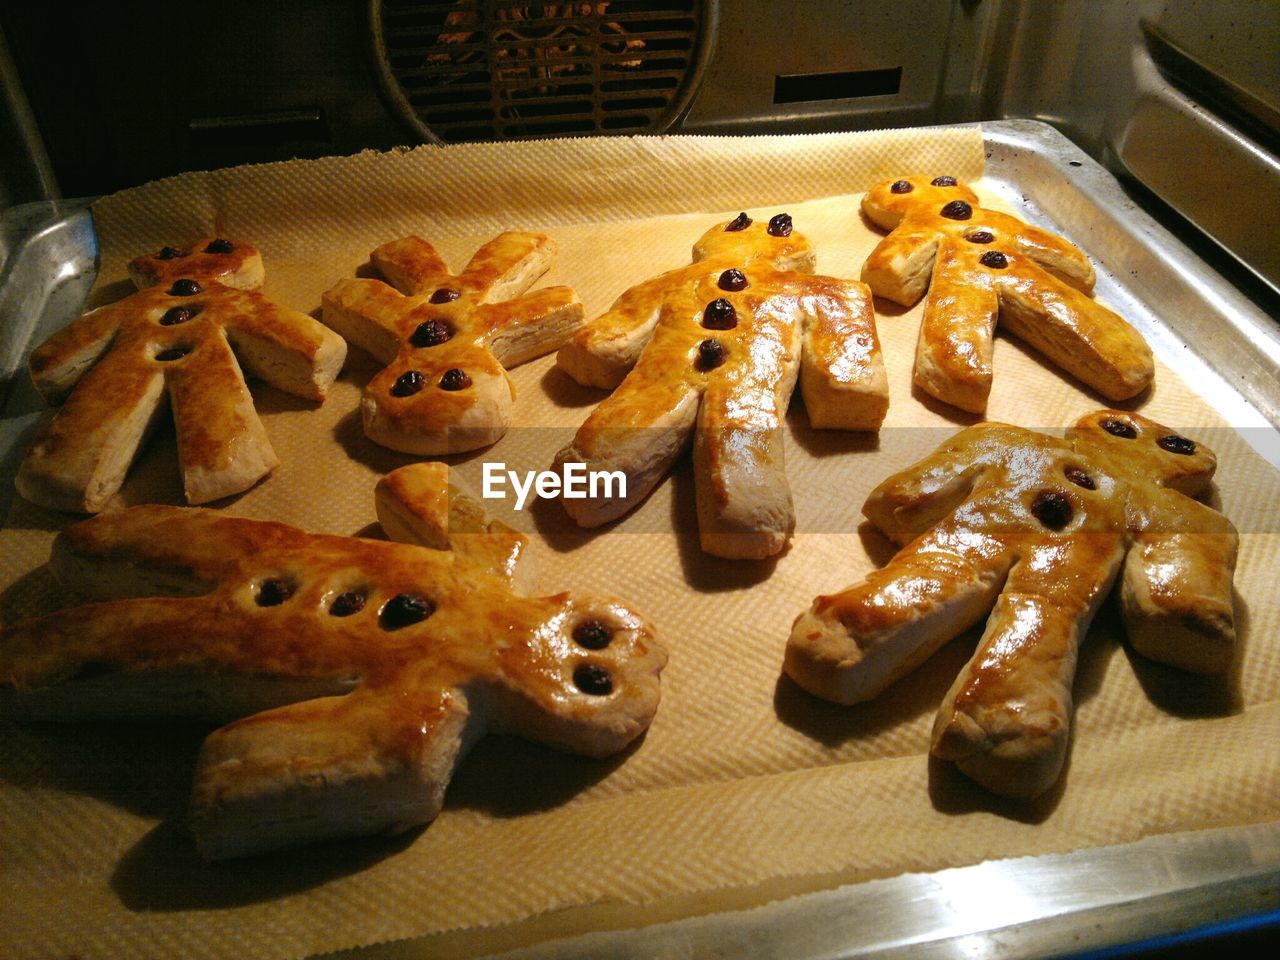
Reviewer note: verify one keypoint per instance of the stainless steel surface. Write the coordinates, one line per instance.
(1091, 898)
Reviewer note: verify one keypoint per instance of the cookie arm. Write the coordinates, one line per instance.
(1176, 591)
(523, 329)
(848, 647)
(842, 376)
(411, 265)
(289, 350)
(898, 268)
(1006, 720)
(367, 313)
(59, 363)
(508, 265)
(953, 354)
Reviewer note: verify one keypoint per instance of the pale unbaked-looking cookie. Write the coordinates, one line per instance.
(352, 674)
(979, 265)
(447, 340)
(1032, 530)
(713, 350)
(186, 340)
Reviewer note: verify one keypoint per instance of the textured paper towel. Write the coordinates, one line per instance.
(744, 787)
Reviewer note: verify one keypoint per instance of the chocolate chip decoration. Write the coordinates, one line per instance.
(1118, 428)
(173, 353)
(901, 186)
(177, 315)
(593, 680)
(733, 279)
(407, 384)
(219, 246)
(943, 181)
(780, 225)
(711, 354)
(980, 236)
(1052, 509)
(404, 610)
(431, 333)
(184, 288)
(720, 315)
(347, 604)
(957, 210)
(740, 222)
(994, 259)
(1176, 444)
(445, 295)
(273, 592)
(1080, 478)
(454, 379)
(592, 635)
(168, 253)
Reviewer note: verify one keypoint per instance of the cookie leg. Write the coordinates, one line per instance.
(953, 354)
(1006, 720)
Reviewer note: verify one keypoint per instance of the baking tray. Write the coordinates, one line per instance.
(1197, 324)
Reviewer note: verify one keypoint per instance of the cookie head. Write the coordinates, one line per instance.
(230, 262)
(743, 239)
(1135, 445)
(887, 202)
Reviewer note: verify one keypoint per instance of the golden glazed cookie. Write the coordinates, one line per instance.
(1029, 532)
(352, 674)
(186, 340)
(448, 340)
(980, 266)
(713, 350)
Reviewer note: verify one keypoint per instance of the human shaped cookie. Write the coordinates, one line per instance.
(188, 340)
(352, 674)
(1032, 530)
(979, 265)
(713, 350)
(447, 340)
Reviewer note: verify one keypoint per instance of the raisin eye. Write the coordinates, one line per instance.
(1176, 444)
(740, 222)
(1052, 509)
(711, 354)
(407, 384)
(733, 279)
(219, 246)
(780, 226)
(445, 295)
(1080, 478)
(901, 186)
(957, 210)
(593, 680)
(404, 610)
(1118, 428)
(994, 259)
(943, 181)
(592, 635)
(177, 315)
(184, 288)
(168, 253)
(273, 592)
(454, 379)
(980, 236)
(719, 315)
(431, 333)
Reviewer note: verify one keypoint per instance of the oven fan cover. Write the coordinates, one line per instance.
(465, 70)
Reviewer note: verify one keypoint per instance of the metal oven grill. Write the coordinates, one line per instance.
(464, 70)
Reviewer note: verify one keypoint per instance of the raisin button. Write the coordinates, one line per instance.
(901, 186)
(733, 279)
(957, 210)
(273, 592)
(219, 246)
(173, 353)
(184, 288)
(1052, 509)
(404, 610)
(454, 379)
(177, 315)
(720, 315)
(593, 680)
(1080, 478)
(780, 226)
(431, 333)
(346, 604)
(740, 222)
(592, 635)
(711, 354)
(980, 236)
(168, 253)
(994, 259)
(943, 181)
(407, 384)
(1118, 428)
(445, 295)
(1176, 444)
